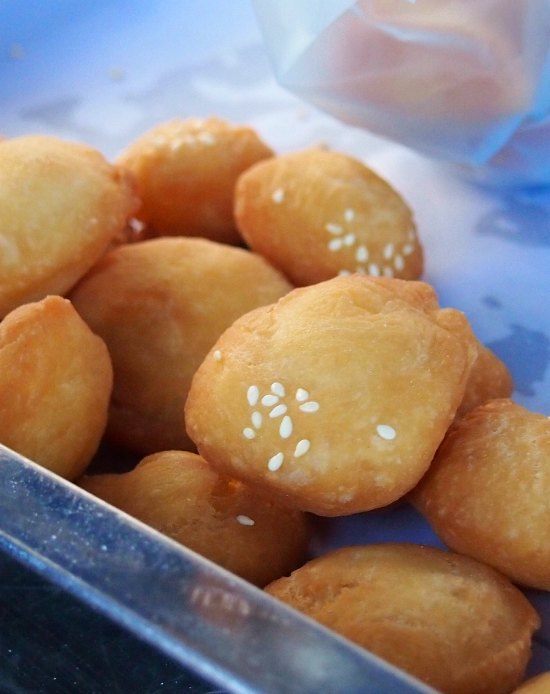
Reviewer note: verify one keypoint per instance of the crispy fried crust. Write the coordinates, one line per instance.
(383, 380)
(160, 305)
(315, 214)
(55, 384)
(228, 522)
(450, 621)
(186, 173)
(61, 204)
(487, 493)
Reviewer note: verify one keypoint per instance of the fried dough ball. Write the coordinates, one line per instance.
(336, 397)
(536, 685)
(160, 305)
(61, 204)
(489, 380)
(186, 173)
(487, 493)
(226, 521)
(55, 384)
(452, 622)
(317, 214)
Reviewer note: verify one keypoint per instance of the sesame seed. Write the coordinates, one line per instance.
(249, 433)
(408, 249)
(269, 400)
(385, 431)
(302, 447)
(252, 395)
(374, 270)
(257, 419)
(278, 196)
(362, 254)
(349, 239)
(245, 520)
(399, 262)
(275, 462)
(285, 430)
(206, 138)
(334, 245)
(278, 389)
(278, 411)
(388, 251)
(349, 215)
(217, 355)
(344, 273)
(301, 395)
(388, 271)
(310, 406)
(333, 228)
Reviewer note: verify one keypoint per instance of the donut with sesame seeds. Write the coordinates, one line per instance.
(454, 623)
(335, 398)
(317, 214)
(487, 493)
(228, 522)
(186, 172)
(160, 305)
(61, 205)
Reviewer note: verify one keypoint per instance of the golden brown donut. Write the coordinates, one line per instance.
(489, 380)
(336, 397)
(186, 173)
(61, 204)
(160, 305)
(452, 622)
(55, 384)
(226, 521)
(487, 493)
(317, 214)
(536, 685)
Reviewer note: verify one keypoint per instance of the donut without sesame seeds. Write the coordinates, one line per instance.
(186, 172)
(487, 493)
(452, 622)
(336, 397)
(316, 214)
(226, 521)
(61, 205)
(160, 305)
(55, 384)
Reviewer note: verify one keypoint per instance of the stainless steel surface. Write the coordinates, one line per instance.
(202, 616)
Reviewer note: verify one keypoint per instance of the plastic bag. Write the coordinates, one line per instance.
(467, 81)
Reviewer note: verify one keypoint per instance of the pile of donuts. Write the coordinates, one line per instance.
(152, 302)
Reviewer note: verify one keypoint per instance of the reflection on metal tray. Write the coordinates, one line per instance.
(205, 618)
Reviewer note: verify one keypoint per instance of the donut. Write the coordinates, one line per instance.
(61, 204)
(55, 385)
(335, 398)
(487, 493)
(186, 172)
(316, 214)
(178, 493)
(160, 305)
(455, 624)
(489, 378)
